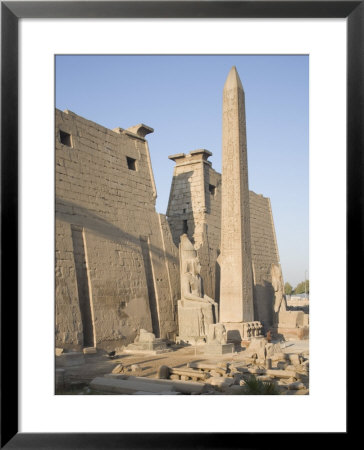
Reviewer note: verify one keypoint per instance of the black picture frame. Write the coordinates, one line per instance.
(11, 12)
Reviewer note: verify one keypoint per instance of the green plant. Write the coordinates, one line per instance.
(253, 386)
(302, 287)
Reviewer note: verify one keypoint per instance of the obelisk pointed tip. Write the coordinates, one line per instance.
(233, 80)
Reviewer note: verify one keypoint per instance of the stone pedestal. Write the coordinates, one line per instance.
(218, 349)
(240, 331)
(90, 350)
(194, 319)
(158, 346)
(146, 342)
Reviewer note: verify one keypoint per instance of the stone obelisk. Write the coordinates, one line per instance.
(236, 288)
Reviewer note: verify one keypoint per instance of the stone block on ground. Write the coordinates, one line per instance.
(294, 359)
(116, 376)
(264, 378)
(283, 373)
(201, 365)
(213, 373)
(222, 372)
(90, 350)
(223, 365)
(128, 386)
(186, 387)
(257, 347)
(118, 369)
(156, 347)
(280, 356)
(163, 372)
(220, 381)
(191, 373)
(257, 370)
(218, 349)
(240, 367)
(59, 351)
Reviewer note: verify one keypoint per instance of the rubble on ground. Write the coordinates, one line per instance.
(288, 373)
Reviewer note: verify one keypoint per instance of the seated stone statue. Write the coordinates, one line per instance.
(191, 283)
(196, 311)
(283, 317)
(280, 303)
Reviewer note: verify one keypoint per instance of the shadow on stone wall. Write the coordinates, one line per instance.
(179, 211)
(82, 286)
(305, 308)
(144, 242)
(264, 304)
(217, 279)
(85, 218)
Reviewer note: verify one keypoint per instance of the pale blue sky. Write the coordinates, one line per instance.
(181, 98)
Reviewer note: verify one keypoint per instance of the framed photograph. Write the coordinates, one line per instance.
(46, 44)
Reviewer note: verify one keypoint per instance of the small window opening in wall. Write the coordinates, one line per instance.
(131, 163)
(212, 189)
(185, 227)
(65, 138)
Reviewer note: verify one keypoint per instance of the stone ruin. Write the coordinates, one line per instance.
(289, 323)
(146, 342)
(196, 311)
(206, 273)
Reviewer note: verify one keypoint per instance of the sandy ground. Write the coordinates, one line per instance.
(98, 365)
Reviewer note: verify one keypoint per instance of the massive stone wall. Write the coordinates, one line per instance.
(264, 254)
(194, 208)
(116, 264)
(117, 267)
(196, 183)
